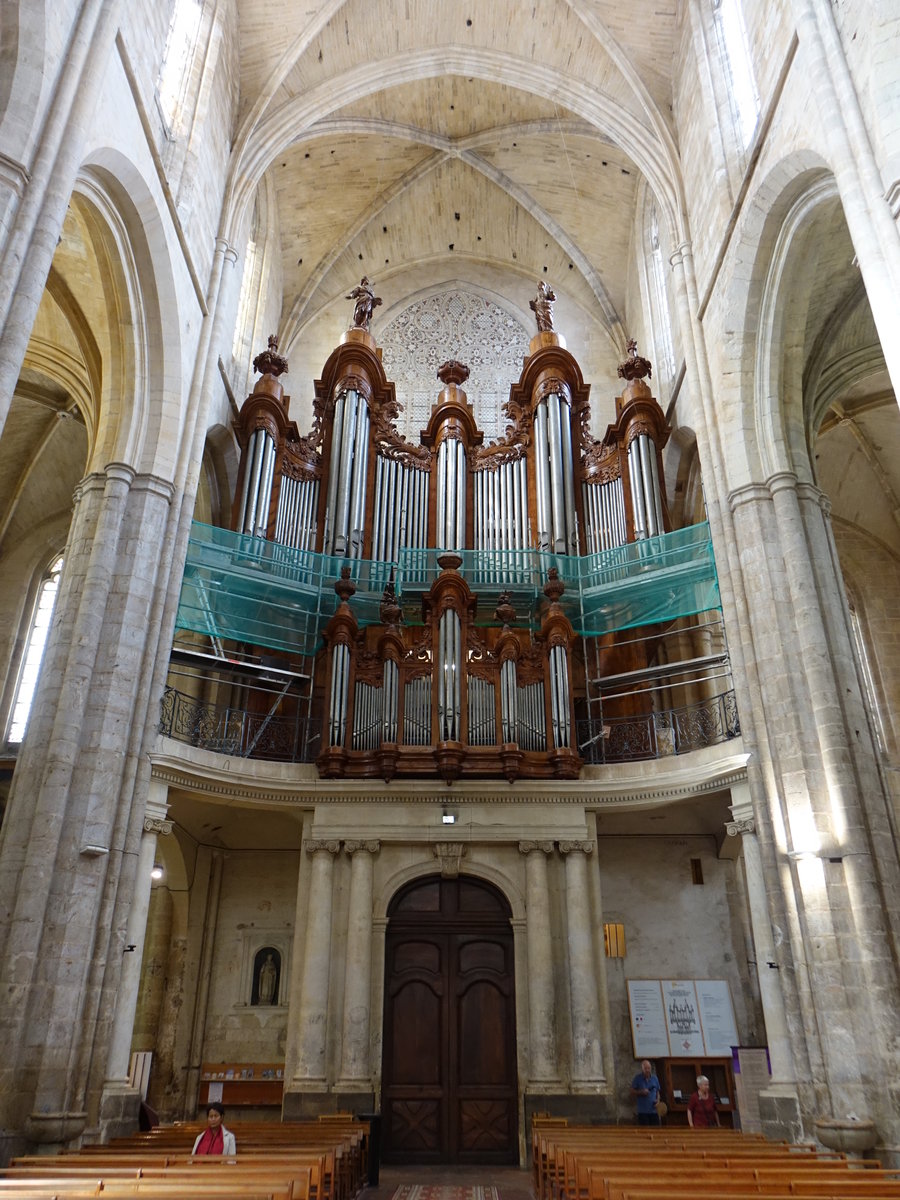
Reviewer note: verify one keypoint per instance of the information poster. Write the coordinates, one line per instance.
(648, 1019)
(682, 1018)
(215, 1093)
(716, 1016)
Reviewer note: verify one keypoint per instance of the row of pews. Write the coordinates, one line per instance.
(572, 1162)
(305, 1160)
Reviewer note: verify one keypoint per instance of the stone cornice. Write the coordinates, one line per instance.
(249, 783)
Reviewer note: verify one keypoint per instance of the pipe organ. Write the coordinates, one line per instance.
(454, 676)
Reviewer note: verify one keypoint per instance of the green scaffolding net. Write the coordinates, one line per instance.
(246, 589)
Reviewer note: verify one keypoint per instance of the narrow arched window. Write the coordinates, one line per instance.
(35, 644)
(659, 302)
(737, 67)
(174, 77)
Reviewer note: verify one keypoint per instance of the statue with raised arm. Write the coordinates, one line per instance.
(542, 307)
(366, 300)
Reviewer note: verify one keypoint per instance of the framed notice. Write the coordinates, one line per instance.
(682, 1018)
(648, 1019)
(716, 1016)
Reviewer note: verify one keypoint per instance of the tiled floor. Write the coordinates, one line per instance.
(511, 1182)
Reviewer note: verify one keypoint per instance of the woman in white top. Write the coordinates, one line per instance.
(215, 1138)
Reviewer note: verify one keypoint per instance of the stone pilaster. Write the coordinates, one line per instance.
(310, 1073)
(544, 1070)
(587, 1054)
(119, 1103)
(356, 1069)
(779, 1103)
(204, 974)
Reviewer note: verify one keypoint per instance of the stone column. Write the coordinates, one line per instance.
(779, 1103)
(119, 1103)
(310, 1073)
(541, 999)
(198, 1027)
(356, 1072)
(856, 170)
(587, 1055)
(35, 229)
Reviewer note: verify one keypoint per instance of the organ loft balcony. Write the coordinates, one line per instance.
(449, 608)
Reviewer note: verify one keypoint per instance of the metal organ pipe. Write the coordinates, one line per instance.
(542, 465)
(637, 491)
(559, 698)
(508, 697)
(251, 492)
(264, 496)
(449, 707)
(568, 476)
(345, 475)
(340, 678)
(331, 497)
(651, 500)
(441, 495)
(389, 697)
(557, 501)
(460, 497)
(358, 493)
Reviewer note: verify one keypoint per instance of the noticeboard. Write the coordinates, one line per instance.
(681, 1018)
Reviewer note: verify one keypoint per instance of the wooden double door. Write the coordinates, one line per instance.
(449, 1080)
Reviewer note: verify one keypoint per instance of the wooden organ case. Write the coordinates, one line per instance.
(470, 665)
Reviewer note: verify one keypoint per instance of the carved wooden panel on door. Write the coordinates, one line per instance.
(449, 1081)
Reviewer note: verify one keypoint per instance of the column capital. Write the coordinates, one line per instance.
(809, 491)
(355, 846)
(782, 481)
(740, 825)
(568, 847)
(316, 844)
(157, 825)
(225, 248)
(749, 493)
(682, 251)
(530, 847)
(450, 855)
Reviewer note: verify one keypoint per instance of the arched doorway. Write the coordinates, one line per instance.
(449, 1086)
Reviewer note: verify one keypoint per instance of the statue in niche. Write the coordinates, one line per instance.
(266, 971)
(542, 307)
(366, 301)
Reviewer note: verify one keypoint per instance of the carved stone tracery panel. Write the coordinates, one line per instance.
(473, 329)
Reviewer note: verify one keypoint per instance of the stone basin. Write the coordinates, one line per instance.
(845, 1134)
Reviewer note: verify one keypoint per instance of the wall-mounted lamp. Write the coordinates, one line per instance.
(157, 872)
(448, 818)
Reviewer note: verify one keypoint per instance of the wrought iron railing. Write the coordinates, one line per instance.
(659, 734)
(234, 731)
